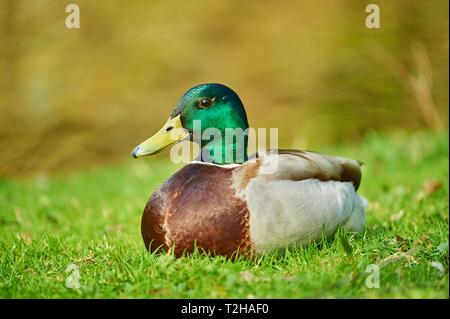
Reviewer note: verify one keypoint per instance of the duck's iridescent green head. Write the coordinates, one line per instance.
(212, 106)
(215, 105)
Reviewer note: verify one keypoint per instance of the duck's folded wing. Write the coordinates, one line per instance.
(301, 165)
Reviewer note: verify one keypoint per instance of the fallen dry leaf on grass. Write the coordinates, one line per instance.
(155, 291)
(246, 276)
(399, 256)
(396, 217)
(424, 237)
(399, 239)
(89, 259)
(25, 237)
(430, 187)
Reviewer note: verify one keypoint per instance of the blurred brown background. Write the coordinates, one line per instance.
(82, 97)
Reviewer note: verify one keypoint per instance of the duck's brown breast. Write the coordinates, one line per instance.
(197, 205)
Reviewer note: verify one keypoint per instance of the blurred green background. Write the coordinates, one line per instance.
(73, 98)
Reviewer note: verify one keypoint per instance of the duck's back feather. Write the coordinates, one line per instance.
(296, 165)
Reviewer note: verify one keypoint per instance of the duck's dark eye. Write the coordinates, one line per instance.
(170, 128)
(205, 102)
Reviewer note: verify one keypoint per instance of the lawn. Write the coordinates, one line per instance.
(91, 218)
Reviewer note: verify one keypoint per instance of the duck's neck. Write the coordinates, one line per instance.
(231, 150)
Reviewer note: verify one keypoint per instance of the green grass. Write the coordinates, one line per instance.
(92, 219)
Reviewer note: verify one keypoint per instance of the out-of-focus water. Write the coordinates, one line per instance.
(72, 98)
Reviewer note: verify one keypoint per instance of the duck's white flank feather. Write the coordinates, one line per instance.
(284, 212)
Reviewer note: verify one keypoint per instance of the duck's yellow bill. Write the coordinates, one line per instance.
(171, 133)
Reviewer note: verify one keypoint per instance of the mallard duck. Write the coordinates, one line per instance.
(224, 207)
